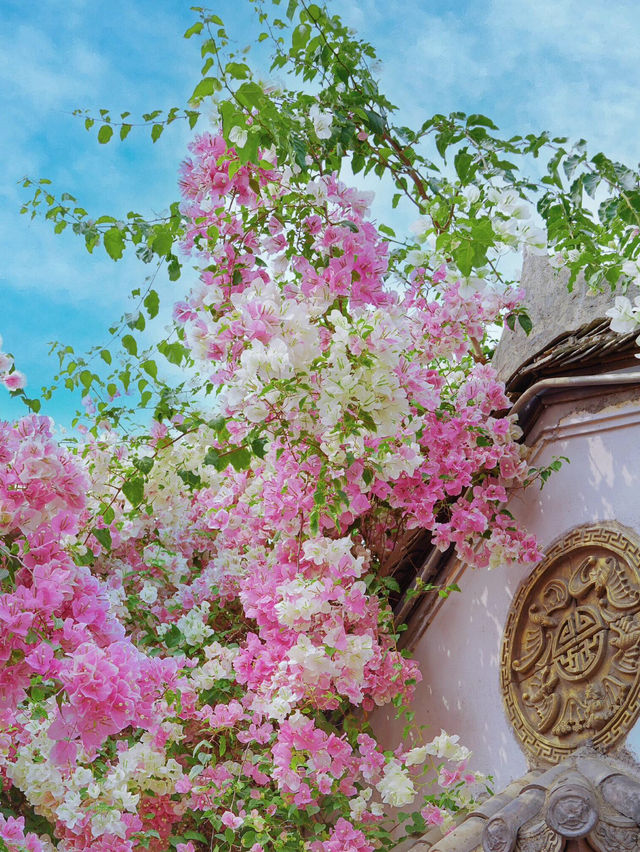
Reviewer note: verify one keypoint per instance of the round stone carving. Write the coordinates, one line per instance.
(570, 667)
(572, 811)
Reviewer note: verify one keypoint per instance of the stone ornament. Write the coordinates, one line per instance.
(607, 837)
(588, 801)
(499, 836)
(570, 666)
(572, 810)
(538, 837)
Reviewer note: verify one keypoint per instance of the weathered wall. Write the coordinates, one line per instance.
(553, 310)
(459, 652)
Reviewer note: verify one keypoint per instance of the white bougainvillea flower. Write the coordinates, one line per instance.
(557, 260)
(395, 786)
(631, 268)
(238, 137)
(322, 122)
(624, 317)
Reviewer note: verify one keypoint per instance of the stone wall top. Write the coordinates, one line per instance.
(554, 311)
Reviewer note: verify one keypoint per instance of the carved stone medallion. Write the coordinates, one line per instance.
(570, 668)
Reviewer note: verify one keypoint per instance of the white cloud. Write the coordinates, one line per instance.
(565, 65)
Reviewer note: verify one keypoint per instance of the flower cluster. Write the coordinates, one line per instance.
(11, 378)
(625, 316)
(185, 659)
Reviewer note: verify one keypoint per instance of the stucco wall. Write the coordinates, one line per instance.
(554, 311)
(459, 652)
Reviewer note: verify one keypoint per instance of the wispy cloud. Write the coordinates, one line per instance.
(569, 66)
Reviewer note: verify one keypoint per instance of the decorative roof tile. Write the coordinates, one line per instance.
(588, 795)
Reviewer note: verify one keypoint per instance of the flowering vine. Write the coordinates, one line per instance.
(194, 614)
(190, 620)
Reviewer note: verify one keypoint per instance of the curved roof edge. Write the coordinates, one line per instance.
(588, 795)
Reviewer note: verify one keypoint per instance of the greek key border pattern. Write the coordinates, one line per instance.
(619, 539)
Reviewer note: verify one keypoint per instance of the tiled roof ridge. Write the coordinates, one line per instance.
(588, 795)
(574, 351)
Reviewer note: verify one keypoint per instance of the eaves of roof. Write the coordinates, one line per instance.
(588, 795)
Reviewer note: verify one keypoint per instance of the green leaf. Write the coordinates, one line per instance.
(443, 140)
(375, 121)
(114, 243)
(240, 459)
(86, 558)
(590, 183)
(152, 303)
(173, 352)
(357, 163)
(151, 368)
(570, 164)
(190, 479)
(156, 132)
(172, 637)
(144, 464)
(482, 120)
(173, 268)
(195, 835)
(525, 323)
(195, 29)
(106, 356)
(133, 490)
(205, 87)
(212, 457)
(463, 161)
(238, 70)
(104, 537)
(250, 95)
(300, 36)
(124, 131)
(130, 344)
(464, 255)
(258, 447)
(162, 242)
(125, 378)
(108, 513)
(105, 133)
(482, 232)
(139, 322)
(299, 151)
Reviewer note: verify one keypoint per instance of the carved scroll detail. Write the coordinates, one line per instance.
(539, 838)
(606, 837)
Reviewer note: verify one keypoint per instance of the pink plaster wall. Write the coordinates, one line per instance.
(459, 652)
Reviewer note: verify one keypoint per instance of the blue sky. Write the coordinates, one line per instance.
(564, 65)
